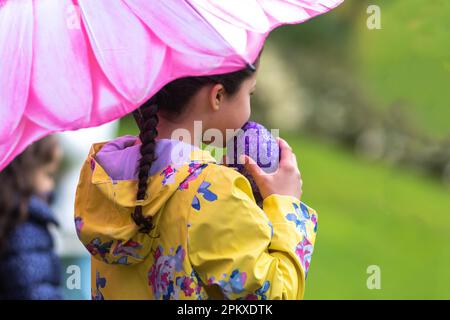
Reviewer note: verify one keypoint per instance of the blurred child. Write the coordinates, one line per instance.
(29, 269)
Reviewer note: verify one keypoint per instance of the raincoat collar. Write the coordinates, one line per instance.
(168, 172)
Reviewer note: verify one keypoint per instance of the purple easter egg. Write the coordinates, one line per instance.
(255, 141)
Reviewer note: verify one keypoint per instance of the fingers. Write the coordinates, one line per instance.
(286, 154)
(295, 160)
(252, 167)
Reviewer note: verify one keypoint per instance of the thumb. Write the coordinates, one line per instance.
(252, 167)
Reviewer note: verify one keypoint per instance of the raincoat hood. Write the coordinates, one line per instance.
(106, 193)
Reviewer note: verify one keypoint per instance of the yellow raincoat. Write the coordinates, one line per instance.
(211, 240)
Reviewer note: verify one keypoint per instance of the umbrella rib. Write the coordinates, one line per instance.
(214, 29)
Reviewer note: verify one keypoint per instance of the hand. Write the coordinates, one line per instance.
(285, 181)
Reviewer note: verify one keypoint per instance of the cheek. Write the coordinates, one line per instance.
(245, 110)
(235, 114)
(43, 184)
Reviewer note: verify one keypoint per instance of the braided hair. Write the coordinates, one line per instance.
(171, 101)
(147, 119)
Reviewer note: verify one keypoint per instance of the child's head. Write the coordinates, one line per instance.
(218, 101)
(49, 155)
(31, 173)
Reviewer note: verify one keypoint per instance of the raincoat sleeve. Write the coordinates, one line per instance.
(245, 251)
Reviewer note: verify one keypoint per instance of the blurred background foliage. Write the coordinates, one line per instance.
(367, 113)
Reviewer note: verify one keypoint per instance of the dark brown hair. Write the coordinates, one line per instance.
(172, 100)
(17, 183)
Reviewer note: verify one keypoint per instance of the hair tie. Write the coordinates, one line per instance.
(251, 66)
(139, 202)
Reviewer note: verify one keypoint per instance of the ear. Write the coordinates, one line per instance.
(216, 96)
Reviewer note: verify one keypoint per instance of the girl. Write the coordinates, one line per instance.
(29, 269)
(163, 220)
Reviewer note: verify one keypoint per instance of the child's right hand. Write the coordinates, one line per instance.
(286, 180)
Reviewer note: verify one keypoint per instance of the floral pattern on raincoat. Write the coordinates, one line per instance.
(211, 240)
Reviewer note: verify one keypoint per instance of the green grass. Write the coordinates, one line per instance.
(371, 214)
(406, 64)
(408, 60)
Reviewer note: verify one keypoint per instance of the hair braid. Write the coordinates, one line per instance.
(148, 121)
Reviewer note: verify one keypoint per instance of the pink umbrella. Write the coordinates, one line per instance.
(71, 64)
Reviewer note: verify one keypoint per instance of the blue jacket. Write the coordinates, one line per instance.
(29, 268)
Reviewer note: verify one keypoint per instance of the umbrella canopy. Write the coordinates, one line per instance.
(71, 64)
